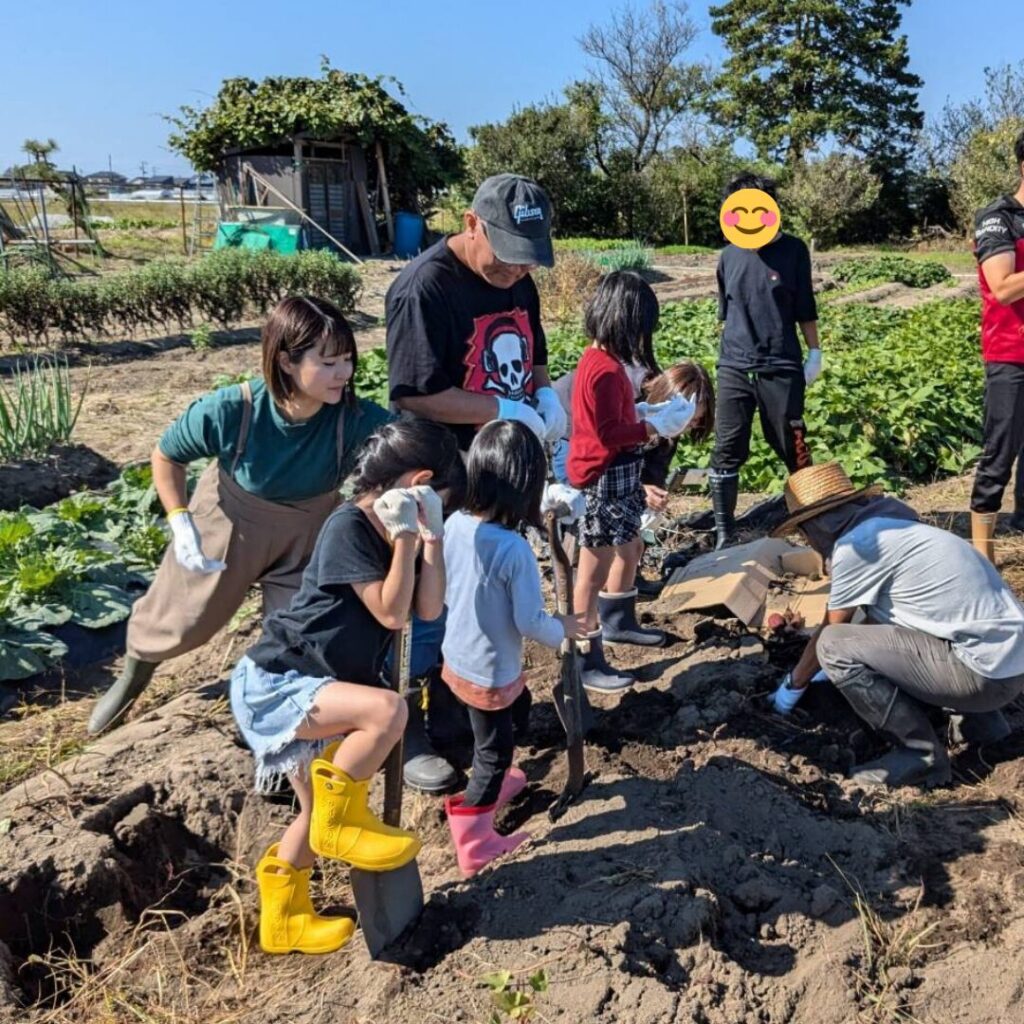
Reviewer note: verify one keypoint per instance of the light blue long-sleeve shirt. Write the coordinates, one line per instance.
(494, 600)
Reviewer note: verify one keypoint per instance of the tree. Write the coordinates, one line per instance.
(985, 168)
(805, 72)
(825, 195)
(40, 151)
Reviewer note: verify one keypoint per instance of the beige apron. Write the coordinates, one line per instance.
(264, 542)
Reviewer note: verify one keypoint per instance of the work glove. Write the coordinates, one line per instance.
(812, 366)
(431, 512)
(398, 512)
(523, 413)
(551, 411)
(188, 545)
(565, 501)
(785, 698)
(670, 418)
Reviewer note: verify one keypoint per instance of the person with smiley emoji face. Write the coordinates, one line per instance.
(764, 292)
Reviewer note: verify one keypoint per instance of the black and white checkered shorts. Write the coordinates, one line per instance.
(615, 505)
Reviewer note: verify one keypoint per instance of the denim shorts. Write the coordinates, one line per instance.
(269, 708)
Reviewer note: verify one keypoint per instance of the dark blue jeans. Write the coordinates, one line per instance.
(426, 647)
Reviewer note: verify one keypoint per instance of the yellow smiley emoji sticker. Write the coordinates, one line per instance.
(750, 218)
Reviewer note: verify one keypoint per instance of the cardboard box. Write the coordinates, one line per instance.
(749, 582)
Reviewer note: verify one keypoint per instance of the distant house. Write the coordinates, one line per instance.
(152, 181)
(104, 179)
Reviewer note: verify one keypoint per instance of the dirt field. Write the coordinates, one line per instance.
(719, 868)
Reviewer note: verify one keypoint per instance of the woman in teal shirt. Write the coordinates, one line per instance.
(281, 448)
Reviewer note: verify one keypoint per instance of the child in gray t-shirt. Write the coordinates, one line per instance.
(494, 600)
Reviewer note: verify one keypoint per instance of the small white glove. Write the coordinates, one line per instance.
(398, 512)
(562, 496)
(188, 546)
(670, 418)
(785, 698)
(510, 410)
(812, 366)
(551, 411)
(431, 512)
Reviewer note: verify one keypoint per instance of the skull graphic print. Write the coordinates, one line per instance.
(499, 356)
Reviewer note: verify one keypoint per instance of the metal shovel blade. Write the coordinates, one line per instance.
(388, 902)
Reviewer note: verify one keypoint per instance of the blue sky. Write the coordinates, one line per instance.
(97, 77)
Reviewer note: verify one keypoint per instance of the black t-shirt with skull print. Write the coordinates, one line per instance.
(448, 328)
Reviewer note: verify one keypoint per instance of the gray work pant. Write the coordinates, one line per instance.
(923, 666)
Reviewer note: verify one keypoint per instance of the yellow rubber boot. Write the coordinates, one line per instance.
(983, 526)
(344, 828)
(288, 923)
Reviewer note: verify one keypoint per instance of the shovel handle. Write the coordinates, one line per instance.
(394, 773)
(561, 565)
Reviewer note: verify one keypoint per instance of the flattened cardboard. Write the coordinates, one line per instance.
(749, 581)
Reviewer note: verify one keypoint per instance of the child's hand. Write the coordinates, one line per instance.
(398, 512)
(430, 512)
(573, 626)
(657, 497)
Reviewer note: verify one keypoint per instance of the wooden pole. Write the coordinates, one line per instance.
(184, 231)
(383, 181)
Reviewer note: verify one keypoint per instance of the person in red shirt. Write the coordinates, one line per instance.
(605, 458)
(999, 249)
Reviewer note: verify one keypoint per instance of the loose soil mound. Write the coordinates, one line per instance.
(62, 471)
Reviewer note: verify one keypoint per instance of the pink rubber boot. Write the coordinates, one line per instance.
(476, 842)
(511, 786)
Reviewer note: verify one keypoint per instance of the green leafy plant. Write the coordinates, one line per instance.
(202, 338)
(37, 408)
(372, 376)
(628, 257)
(512, 997)
(891, 267)
(225, 380)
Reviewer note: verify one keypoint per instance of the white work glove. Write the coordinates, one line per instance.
(431, 512)
(398, 512)
(670, 418)
(526, 414)
(785, 698)
(188, 546)
(562, 497)
(551, 411)
(812, 366)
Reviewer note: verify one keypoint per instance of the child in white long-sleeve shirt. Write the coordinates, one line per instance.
(494, 600)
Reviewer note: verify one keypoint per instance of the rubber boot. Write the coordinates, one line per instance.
(425, 769)
(983, 526)
(343, 827)
(114, 704)
(725, 489)
(512, 785)
(979, 728)
(646, 587)
(619, 625)
(920, 759)
(288, 922)
(598, 675)
(476, 842)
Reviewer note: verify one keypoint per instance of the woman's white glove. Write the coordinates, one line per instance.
(561, 498)
(670, 418)
(812, 366)
(398, 512)
(526, 414)
(431, 512)
(551, 411)
(188, 546)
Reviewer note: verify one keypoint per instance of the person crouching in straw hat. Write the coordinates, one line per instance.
(943, 628)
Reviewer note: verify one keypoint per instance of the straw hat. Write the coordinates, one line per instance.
(817, 489)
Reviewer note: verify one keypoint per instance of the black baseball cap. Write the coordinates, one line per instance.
(517, 213)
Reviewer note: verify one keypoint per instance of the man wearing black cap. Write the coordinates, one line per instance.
(464, 338)
(465, 346)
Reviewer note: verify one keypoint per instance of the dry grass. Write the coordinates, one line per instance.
(566, 286)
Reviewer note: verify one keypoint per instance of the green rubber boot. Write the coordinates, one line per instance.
(111, 707)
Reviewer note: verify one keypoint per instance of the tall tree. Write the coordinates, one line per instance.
(39, 150)
(806, 72)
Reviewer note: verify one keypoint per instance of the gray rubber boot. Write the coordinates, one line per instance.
(619, 625)
(598, 675)
(112, 706)
(725, 490)
(979, 728)
(920, 758)
(425, 769)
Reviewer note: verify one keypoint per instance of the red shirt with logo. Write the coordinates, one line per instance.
(999, 228)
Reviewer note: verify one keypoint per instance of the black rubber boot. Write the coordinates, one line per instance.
(425, 769)
(920, 759)
(646, 587)
(725, 489)
(619, 625)
(598, 675)
(979, 728)
(114, 704)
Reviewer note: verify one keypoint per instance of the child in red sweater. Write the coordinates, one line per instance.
(605, 451)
